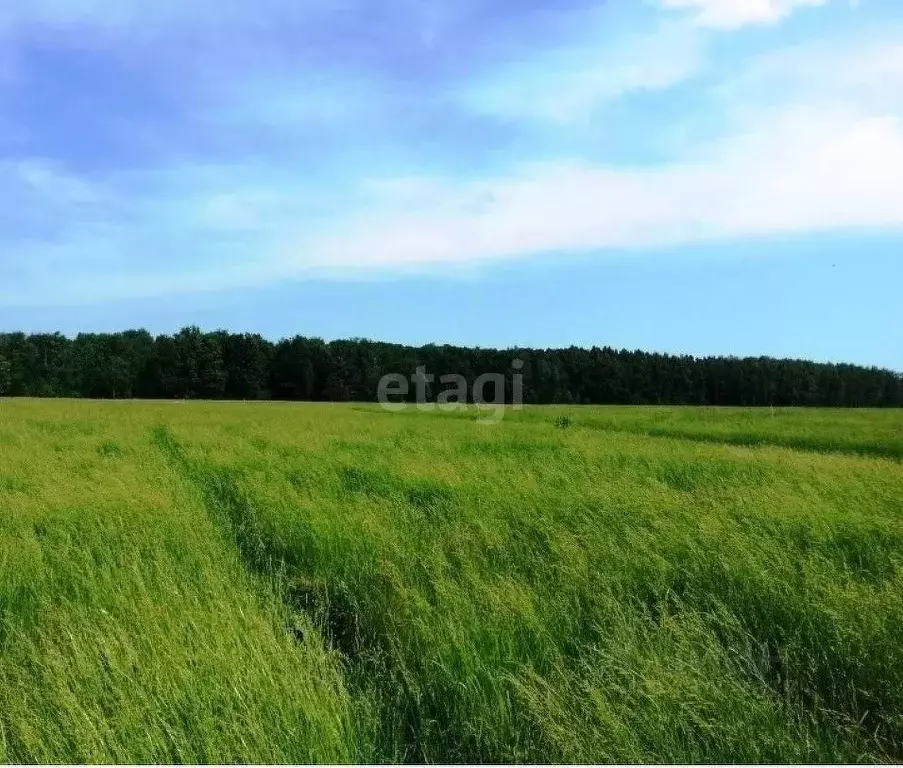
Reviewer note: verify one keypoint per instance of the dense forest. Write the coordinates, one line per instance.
(195, 364)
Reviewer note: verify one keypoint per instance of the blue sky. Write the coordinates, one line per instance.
(701, 176)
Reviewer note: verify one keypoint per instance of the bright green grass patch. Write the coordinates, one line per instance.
(129, 629)
(236, 582)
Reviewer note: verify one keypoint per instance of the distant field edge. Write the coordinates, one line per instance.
(796, 442)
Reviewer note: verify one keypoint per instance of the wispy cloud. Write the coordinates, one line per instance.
(731, 14)
(572, 83)
(798, 139)
(865, 70)
(800, 171)
(797, 171)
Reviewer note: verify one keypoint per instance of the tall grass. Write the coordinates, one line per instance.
(129, 629)
(317, 582)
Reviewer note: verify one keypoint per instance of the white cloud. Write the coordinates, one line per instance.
(812, 142)
(731, 14)
(799, 171)
(867, 72)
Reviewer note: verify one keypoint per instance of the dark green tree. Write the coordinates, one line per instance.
(6, 376)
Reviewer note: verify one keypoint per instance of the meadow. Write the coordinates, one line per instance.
(237, 582)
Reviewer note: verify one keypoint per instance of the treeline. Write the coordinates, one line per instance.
(193, 364)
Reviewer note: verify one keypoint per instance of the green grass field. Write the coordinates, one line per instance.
(199, 582)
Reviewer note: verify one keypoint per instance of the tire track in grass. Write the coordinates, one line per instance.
(753, 440)
(224, 502)
(314, 605)
(309, 609)
(310, 606)
(233, 512)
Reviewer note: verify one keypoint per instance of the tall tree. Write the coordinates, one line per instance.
(194, 364)
(6, 376)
